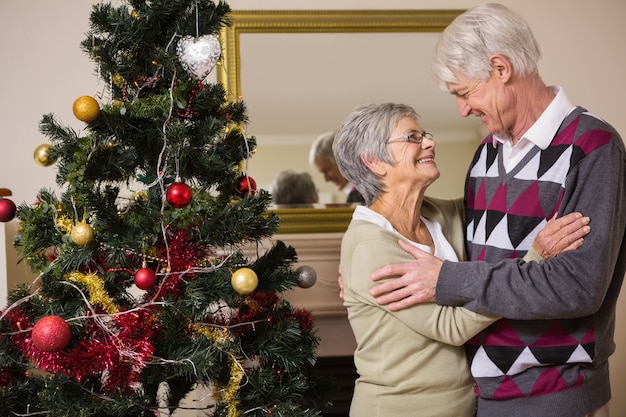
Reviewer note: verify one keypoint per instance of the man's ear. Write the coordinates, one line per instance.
(502, 68)
(375, 165)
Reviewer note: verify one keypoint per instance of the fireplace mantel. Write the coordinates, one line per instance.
(320, 251)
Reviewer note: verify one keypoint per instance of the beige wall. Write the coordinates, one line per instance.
(43, 70)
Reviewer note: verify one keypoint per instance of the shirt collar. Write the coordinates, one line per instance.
(543, 130)
(366, 214)
(369, 215)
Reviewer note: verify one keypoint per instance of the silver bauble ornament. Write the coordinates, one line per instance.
(306, 276)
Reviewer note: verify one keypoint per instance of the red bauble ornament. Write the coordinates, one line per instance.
(179, 194)
(246, 185)
(7, 210)
(145, 278)
(51, 334)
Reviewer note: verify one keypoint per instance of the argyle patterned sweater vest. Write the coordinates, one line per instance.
(505, 210)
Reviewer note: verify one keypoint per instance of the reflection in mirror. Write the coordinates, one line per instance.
(294, 189)
(301, 72)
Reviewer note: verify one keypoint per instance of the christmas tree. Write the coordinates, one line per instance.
(143, 290)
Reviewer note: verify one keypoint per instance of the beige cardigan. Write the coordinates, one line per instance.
(410, 362)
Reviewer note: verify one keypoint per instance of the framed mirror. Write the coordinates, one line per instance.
(300, 72)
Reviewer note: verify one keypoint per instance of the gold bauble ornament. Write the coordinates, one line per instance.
(42, 155)
(139, 196)
(117, 79)
(82, 234)
(86, 109)
(244, 281)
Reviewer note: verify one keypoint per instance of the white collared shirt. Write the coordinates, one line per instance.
(540, 133)
(443, 248)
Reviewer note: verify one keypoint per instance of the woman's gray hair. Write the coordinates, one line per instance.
(294, 188)
(364, 134)
(467, 43)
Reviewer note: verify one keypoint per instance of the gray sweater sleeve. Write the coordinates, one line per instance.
(574, 283)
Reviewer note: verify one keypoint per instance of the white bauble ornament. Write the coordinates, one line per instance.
(198, 56)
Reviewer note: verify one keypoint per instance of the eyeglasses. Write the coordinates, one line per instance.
(413, 136)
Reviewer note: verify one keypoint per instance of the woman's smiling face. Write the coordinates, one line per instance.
(414, 163)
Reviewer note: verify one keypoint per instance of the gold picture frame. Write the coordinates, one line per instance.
(318, 21)
(317, 220)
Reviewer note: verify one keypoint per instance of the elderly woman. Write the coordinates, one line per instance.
(294, 189)
(410, 362)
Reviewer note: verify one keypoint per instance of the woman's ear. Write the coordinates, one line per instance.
(376, 166)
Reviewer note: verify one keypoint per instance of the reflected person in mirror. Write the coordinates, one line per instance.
(410, 362)
(543, 155)
(294, 189)
(321, 157)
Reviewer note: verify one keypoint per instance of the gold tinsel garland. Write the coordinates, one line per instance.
(230, 391)
(97, 293)
(64, 224)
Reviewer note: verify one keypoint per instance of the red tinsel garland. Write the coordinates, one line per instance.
(6, 377)
(123, 354)
(183, 255)
(305, 319)
(261, 306)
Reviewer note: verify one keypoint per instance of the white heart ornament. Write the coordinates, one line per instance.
(198, 56)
